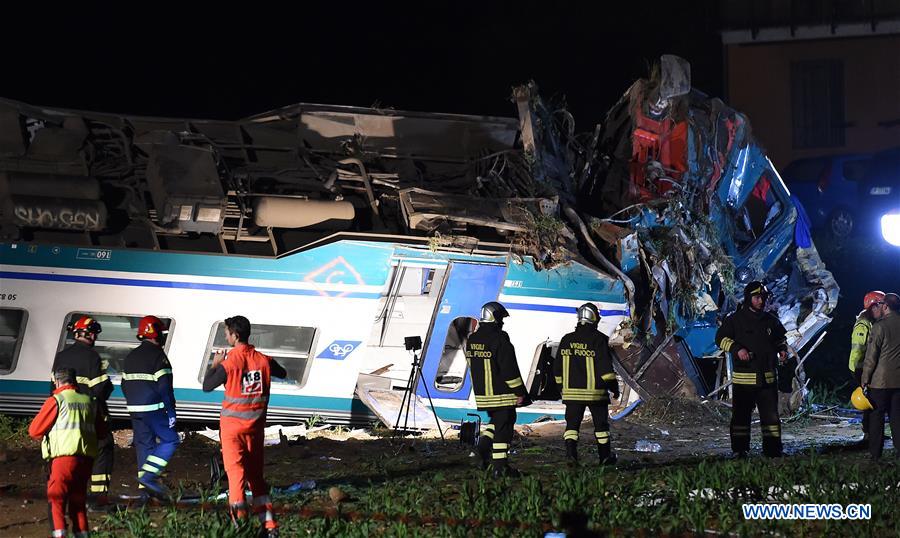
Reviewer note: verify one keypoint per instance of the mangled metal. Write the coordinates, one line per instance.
(671, 195)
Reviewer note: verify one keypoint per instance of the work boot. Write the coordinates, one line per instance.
(571, 452)
(99, 502)
(503, 470)
(483, 448)
(151, 483)
(607, 456)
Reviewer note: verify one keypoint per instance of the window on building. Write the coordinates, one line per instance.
(12, 332)
(290, 346)
(118, 336)
(817, 103)
(451, 370)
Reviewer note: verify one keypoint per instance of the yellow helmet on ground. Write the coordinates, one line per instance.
(859, 400)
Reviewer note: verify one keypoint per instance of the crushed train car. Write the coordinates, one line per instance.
(658, 216)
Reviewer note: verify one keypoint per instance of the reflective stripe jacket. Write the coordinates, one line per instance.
(89, 368)
(495, 373)
(583, 366)
(248, 379)
(147, 380)
(67, 424)
(858, 339)
(762, 335)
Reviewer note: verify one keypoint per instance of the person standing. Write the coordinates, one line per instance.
(873, 310)
(881, 375)
(497, 384)
(90, 372)
(68, 426)
(150, 397)
(247, 376)
(756, 340)
(583, 369)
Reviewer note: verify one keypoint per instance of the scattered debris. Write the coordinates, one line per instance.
(643, 445)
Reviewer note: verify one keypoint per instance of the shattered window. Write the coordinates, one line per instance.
(116, 339)
(291, 346)
(759, 211)
(12, 331)
(451, 370)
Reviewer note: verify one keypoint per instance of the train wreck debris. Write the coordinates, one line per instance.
(671, 197)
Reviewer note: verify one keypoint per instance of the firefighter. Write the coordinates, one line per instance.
(583, 370)
(498, 386)
(246, 374)
(68, 425)
(873, 309)
(90, 371)
(147, 384)
(757, 343)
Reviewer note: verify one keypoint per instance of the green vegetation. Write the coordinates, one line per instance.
(676, 499)
(14, 431)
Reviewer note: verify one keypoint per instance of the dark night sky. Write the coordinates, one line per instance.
(459, 57)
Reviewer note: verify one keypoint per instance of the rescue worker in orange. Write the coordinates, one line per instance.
(68, 425)
(92, 379)
(873, 310)
(246, 374)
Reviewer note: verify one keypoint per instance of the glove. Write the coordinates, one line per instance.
(613, 388)
(171, 421)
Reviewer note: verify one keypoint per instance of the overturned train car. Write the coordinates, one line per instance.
(339, 231)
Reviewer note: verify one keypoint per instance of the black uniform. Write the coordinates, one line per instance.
(754, 380)
(583, 369)
(497, 384)
(93, 380)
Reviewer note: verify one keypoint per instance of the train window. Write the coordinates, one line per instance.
(290, 346)
(451, 370)
(117, 338)
(12, 332)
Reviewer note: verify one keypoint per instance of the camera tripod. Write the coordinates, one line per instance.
(415, 374)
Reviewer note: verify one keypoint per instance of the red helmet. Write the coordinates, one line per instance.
(151, 327)
(873, 297)
(85, 324)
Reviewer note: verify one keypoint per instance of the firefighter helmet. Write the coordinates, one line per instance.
(872, 298)
(588, 313)
(85, 324)
(151, 327)
(755, 288)
(859, 400)
(493, 312)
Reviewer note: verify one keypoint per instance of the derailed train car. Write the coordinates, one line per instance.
(339, 231)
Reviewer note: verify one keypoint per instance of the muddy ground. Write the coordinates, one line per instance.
(685, 432)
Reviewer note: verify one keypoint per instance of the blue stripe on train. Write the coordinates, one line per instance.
(179, 285)
(253, 289)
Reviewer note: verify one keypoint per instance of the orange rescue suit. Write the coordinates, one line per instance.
(242, 421)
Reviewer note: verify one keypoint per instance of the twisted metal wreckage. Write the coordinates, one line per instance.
(671, 196)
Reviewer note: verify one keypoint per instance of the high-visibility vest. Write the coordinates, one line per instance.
(73, 432)
(859, 339)
(246, 387)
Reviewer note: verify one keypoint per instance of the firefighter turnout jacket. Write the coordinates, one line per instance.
(762, 335)
(495, 373)
(583, 366)
(859, 337)
(147, 380)
(89, 369)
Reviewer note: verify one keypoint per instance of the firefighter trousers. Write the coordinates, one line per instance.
(745, 399)
(600, 416)
(242, 453)
(103, 464)
(500, 430)
(154, 441)
(885, 402)
(67, 490)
